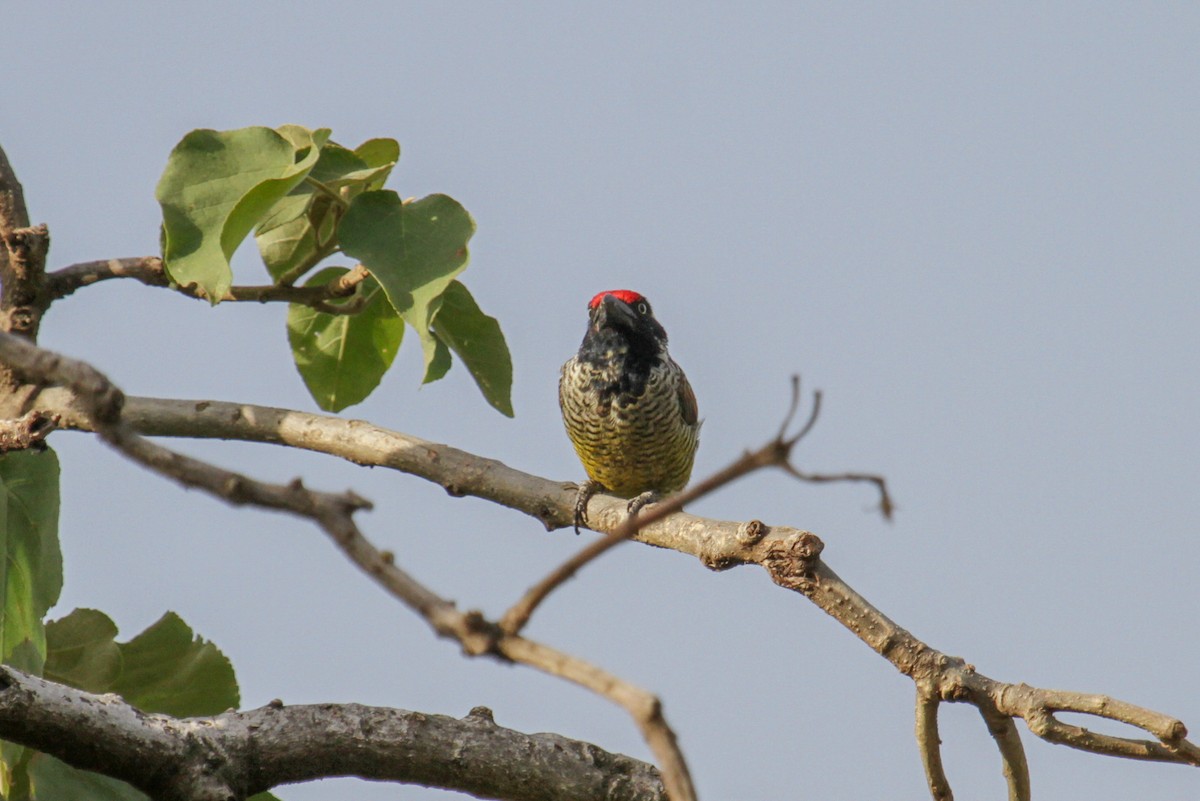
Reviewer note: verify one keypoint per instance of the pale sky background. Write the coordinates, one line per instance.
(973, 226)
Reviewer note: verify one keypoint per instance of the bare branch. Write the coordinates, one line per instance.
(13, 213)
(1038, 707)
(1012, 752)
(791, 556)
(886, 507)
(929, 743)
(149, 270)
(781, 435)
(23, 248)
(237, 754)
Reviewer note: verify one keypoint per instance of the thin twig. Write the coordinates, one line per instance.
(149, 270)
(929, 743)
(1038, 707)
(886, 507)
(1012, 752)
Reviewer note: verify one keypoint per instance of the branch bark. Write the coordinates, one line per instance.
(149, 271)
(23, 248)
(237, 754)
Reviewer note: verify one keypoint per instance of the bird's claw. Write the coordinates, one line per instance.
(584, 494)
(638, 501)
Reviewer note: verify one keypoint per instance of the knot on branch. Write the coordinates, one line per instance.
(482, 715)
(792, 562)
(27, 248)
(23, 320)
(749, 533)
(28, 431)
(478, 635)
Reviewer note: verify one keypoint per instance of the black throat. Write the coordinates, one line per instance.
(621, 361)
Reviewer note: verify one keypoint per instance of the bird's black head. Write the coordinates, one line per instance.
(626, 315)
(622, 344)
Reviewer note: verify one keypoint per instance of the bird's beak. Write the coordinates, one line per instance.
(613, 313)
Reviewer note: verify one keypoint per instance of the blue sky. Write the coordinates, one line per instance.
(974, 227)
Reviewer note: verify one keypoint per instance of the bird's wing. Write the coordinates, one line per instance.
(687, 398)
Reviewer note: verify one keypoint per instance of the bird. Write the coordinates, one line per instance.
(627, 406)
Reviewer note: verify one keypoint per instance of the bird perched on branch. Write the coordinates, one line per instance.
(627, 406)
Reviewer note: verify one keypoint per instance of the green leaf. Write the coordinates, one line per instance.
(30, 577)
(168, 670)
(30, 559)
(217, 186)
(165, 670)
(340, 167)
(54, 780)
(478, 341)
(81, 651)
(287, 237)
(303, 138)
(437, 358)
(342, 357)
(301, 229)
(379, 153)
(414, 249)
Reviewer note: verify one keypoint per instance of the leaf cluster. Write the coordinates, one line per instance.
(164, 669)
(306, 199)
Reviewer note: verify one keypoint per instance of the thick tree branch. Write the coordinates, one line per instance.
(237, 754)
(791, 557)
(149, 270)
(13, 213)
(23, 296)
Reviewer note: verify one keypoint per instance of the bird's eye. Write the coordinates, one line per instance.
(642, 308)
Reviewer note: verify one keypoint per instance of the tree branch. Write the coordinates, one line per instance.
(237, 754)
(775, 453)
(790, 556)
(149, 270)
(1012, 753)
(929, 743)
(23, 248)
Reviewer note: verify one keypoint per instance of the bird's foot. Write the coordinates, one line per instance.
(584, 494)
(638, 501)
